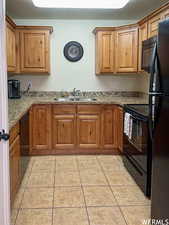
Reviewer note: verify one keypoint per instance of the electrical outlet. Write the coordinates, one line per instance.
(30, 84)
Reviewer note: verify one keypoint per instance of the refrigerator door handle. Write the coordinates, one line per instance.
(153, 67)
(150, 122)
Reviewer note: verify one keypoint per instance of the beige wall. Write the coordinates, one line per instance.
(66, 75)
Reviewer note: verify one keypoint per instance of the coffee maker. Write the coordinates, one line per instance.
(14, 89)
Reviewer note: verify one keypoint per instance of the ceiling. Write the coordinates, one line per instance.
(135, 9)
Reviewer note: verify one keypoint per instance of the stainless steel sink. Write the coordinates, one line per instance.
(75, 99)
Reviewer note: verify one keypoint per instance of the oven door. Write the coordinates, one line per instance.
(136, 146)
(148, 48)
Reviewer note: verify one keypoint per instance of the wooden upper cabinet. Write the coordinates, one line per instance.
(126, 57)
(108, 127)
(40, 130)
(104, 52)
(34, 51)
(143, 35)
(165, 14)
(153, 25)
(10, 47)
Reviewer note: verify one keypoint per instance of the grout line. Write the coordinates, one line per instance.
(16, 216)
(108, 182)
(53, 192)
(77, 162)
(113, 193)
(123, 216)
(82, 207)
(24, 188)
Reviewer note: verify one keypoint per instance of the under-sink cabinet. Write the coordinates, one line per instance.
(64, 127)
(74, 129)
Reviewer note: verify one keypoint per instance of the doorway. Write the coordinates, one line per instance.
(4, 146)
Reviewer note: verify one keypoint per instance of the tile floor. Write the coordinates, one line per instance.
(79, 190)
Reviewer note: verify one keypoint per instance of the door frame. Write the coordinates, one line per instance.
(4, 145)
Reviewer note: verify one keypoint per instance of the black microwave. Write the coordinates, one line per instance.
(148, 47)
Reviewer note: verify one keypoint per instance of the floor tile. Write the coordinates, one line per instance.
(99, 196)
(65, 158)
(129, 195)
(34, 217)
(14, 214)
(119, 178)
(107, 157)
(29, 167)
(92, 177)
(66, 165)
(25, 180)
(106, 216)
(18, 199)
(88, 164)
(68, 197)
(136, 215)
(111, 165)
(38, 198)
(43, 158)
(86, 157)
(41, 180)
(70, 178)
(43, 166)
(70, 216)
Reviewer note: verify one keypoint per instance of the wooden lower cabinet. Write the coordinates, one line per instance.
(108, 127)
(40, 129)
(63, 131)
(15, 176)
(88, 131)
(73, 129)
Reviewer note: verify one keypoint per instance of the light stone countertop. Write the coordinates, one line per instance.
(18, 107)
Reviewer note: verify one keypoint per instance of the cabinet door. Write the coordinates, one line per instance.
(40, 131)
(143, 35)
(11, 48)
(64, 131)
(104, 52)
(88, 131)
(15, 176)
(153, 25)
(108, 127)
(126, 50)
(165, 14)
(119, 128)
(34, 51)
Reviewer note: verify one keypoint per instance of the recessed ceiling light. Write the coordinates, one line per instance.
(77, 4)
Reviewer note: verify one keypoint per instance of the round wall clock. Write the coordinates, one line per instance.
(73, 51)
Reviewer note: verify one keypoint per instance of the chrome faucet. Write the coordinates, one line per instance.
(75, 92)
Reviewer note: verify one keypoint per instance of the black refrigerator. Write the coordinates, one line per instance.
(159, 124)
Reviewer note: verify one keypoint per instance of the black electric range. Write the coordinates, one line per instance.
(140, 110)
(137, 145)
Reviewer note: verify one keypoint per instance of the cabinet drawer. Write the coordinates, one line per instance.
(89, 109)
(13, 133)
(64, 109)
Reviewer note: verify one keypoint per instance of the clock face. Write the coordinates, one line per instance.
(73, 51)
